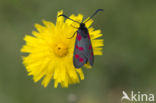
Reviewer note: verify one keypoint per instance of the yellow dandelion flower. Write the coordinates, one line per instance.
(50, 51)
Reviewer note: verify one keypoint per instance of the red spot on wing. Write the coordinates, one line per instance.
(81, 48)
(76, 56)
(79, 37)
(81, 60)
(77, 46)
(91, 57)
(88, 36)
(90, 47)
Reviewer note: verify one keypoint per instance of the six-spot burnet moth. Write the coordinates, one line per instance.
(83, 51)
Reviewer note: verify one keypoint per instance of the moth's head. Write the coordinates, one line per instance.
(82, 25)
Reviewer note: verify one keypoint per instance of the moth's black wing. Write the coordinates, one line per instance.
(83, 51)
(91, 53)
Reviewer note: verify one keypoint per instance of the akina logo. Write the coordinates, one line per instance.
(137, 97)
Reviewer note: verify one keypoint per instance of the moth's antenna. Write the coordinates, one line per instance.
(68, 18)
(94, 14)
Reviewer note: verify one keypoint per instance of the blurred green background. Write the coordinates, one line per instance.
(128, 63)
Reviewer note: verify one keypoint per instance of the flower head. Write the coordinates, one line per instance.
(50, 51)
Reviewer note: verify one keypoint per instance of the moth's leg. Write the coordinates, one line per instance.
(72, 35)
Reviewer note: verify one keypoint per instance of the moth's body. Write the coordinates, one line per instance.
(83, 51)
(83, 29)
